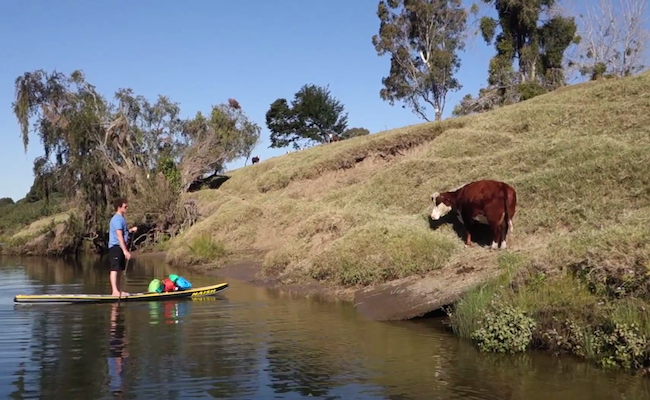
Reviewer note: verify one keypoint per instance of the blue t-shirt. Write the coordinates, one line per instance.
(117, 222)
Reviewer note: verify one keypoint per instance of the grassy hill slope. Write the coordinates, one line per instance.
(356, 212)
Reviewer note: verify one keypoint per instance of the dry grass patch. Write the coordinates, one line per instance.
(382, 251)
(230, 226)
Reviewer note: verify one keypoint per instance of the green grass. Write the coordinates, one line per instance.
(382, 251)
(354, 213)
(205, 249)
(570, 313)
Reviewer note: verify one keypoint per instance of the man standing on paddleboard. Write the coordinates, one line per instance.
(118, 253)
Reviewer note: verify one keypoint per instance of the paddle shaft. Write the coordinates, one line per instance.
(126, 266)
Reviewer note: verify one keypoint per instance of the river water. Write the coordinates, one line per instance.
(252, 343)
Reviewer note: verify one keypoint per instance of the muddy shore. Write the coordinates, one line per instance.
(249, 271)
(401, 299)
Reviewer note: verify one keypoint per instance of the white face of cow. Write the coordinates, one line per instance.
(440, 209)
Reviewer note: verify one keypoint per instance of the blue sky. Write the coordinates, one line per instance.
(203, 52)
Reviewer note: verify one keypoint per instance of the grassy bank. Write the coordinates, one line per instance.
(356, 213)
(583, 312)
(22, 221)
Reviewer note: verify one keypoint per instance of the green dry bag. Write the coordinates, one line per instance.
(173, 277)
(155, 286)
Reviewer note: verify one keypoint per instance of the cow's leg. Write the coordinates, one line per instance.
(504, 232)
(468, 222)
(495, 227)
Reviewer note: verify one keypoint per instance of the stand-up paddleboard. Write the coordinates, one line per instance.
(203, 291)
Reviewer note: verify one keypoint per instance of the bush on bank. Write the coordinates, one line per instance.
(579, 311)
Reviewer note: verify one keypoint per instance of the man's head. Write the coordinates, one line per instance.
(120, 205)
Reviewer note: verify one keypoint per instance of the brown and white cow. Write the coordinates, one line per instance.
(486, 201)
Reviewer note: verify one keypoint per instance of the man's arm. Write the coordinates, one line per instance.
(120, 238)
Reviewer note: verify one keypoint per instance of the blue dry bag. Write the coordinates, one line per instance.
(182, 283)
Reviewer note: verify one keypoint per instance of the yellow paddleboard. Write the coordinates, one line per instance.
(105, 298)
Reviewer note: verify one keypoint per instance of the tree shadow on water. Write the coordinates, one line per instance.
(481, 234)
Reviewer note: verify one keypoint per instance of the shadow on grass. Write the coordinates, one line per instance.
(481, 234)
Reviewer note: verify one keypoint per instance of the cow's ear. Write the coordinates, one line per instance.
(434, 196)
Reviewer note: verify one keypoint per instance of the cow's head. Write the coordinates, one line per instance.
(442, 205)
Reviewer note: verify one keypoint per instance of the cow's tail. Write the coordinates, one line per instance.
(506, 217)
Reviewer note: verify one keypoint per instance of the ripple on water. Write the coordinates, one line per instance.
(250, 344)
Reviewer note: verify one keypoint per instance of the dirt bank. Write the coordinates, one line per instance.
(400, 299)
(249, 271)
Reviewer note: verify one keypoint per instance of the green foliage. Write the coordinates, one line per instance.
(6, 201)
(170, 170)
(224, 136)
(313, 114)
(423, 38)
(555, 36)
(524, 31)
(528, 90)
(22, 213)
(96, 150)
(504, 329)
(567, 336)
(611, 344)
(602, 323)
(622, 345)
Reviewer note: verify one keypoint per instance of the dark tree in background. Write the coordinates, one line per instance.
(538, 49)
(313, 114)
(423, 38)
(534, 35)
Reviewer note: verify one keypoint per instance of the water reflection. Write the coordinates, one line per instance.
(252, 343)
(118, 353)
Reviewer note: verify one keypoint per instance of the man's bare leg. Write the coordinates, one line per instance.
(119, 284)
(115, 291)
(116, 283)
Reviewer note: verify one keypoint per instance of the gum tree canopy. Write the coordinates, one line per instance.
(423, 38)
(312, 115)
(95, 149)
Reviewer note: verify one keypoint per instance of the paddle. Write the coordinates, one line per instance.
(126, 266)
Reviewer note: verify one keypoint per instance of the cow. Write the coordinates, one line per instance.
(488, 202)
(255, 159)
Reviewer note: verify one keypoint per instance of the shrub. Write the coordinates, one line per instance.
(505, 329)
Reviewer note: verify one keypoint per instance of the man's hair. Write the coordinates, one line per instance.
(117, 203)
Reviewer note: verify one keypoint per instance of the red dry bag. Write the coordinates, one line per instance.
(168, 285)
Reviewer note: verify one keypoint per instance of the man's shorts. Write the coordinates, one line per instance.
(116, 258)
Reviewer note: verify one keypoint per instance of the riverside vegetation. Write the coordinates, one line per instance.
(355, 213)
